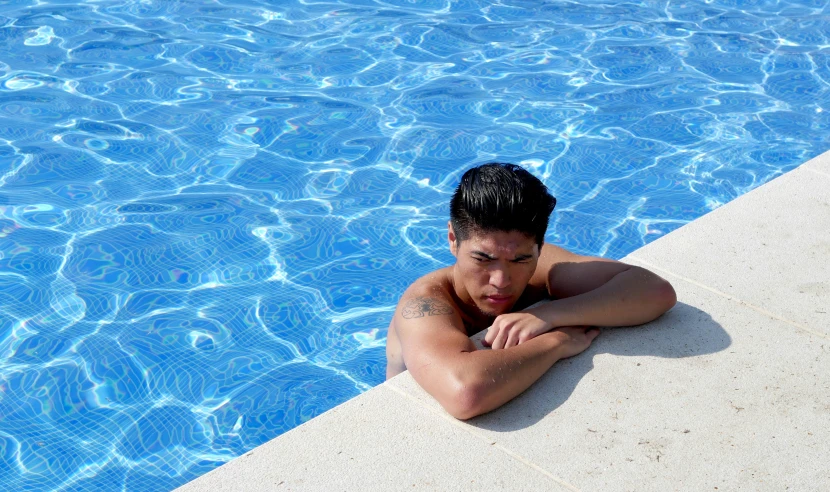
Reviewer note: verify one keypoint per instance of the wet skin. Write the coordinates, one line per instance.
(496, 276)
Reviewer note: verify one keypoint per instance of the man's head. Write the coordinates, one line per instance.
(498, 218)
(500, 197)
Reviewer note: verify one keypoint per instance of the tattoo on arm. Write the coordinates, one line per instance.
(425, 306)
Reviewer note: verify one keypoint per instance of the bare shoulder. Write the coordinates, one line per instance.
(427, 304)
(566, 274)
(427, 296)
(426, 320)
(552, 255)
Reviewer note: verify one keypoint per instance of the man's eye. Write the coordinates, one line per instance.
(480, 260)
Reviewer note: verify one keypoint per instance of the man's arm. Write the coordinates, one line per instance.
(465, 381)
(586, 291)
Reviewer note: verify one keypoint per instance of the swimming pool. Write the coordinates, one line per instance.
(208, 210)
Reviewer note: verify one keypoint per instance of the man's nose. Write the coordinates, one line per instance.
(500, 278)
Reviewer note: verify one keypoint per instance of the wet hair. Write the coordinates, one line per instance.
(500, 197)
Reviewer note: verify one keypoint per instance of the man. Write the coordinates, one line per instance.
(498, 217)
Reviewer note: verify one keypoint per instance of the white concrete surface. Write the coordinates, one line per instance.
(380, 440)
(728, 391)
(820, 164)
(769, 248)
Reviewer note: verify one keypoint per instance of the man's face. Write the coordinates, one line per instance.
(494, 267)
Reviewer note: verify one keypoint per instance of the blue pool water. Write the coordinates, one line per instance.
(209, 209)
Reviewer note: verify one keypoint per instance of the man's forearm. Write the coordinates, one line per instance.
(495, 377)
(632, 297)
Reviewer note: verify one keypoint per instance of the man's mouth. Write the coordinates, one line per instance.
(498, 299)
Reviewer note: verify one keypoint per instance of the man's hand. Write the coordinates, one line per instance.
(575, 339)
(509, 330)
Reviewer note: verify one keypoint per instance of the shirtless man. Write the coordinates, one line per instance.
(498, 218)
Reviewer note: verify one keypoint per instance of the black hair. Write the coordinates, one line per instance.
(500, 197)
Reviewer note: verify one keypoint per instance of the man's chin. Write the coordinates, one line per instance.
(492, 312)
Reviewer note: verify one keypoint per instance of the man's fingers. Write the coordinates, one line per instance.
(592, 333)
(512, 340)
(500, 340)
(490, 336)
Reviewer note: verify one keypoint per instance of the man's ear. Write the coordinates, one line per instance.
(452, 239)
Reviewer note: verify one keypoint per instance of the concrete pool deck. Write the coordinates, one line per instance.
(729, 390)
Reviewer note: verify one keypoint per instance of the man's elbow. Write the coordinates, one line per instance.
(664, 296)
(465, 405)
(465, 401)
(657, 294)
